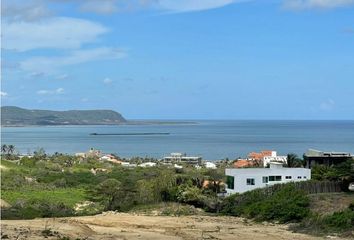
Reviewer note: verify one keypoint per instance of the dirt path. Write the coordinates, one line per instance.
(127, 226)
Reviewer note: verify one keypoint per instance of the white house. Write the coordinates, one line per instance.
(266, 157)
(182, 158)
(241, 180)
(269, 159)
(147, 164)
(210, 165)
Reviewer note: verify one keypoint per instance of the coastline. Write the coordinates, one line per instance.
(135, 122)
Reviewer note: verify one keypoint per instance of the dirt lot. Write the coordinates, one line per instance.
(128, 226)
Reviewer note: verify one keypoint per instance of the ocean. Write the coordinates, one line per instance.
(213, 140)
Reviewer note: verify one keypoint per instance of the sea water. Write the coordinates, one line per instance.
(213, 140)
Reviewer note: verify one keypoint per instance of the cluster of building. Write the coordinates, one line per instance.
(110, 158)
(253, 172)
(257, 170)
(263, 158)
(177, 160)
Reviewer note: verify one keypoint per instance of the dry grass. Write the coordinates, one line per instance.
(328, 203)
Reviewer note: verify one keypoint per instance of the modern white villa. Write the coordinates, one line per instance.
(241, 180)
(182, 158)
(266, 157)
(274, 158)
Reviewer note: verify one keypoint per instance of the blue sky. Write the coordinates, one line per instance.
(188, 59)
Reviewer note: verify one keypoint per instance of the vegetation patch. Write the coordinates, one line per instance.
(67, 196)
(341, 222)
(167, 209)
(286, 204)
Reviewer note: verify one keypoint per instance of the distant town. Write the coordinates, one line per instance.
(256, 170)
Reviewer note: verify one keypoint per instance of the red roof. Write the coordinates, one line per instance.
(241, 163)
(260, 156)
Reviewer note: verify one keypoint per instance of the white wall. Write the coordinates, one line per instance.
(241, 175)
(267, 160)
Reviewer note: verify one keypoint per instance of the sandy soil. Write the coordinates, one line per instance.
(128, 226)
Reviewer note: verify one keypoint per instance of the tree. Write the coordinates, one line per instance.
(215, 177)
(164, 184)
(145, 191)
(4, 148)
(10, 149)
(294, 161)
(190, 195)
(107, 192)
(39, 154)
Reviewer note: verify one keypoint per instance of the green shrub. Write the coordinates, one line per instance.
(30, 210)
(179, 210)
(286, 204)
(340, 221)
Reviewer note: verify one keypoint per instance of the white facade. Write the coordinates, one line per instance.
(210, 165)
(147, 164)
(241, 180)
(268, 159)
(182, 158)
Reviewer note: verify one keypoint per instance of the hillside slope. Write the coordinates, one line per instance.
(15, 116)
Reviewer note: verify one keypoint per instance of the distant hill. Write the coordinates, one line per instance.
(15, 116)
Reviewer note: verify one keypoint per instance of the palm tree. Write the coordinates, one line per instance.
(10, 149)
(4, 148)
(294, 161)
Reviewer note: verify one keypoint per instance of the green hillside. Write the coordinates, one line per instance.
(15, 116)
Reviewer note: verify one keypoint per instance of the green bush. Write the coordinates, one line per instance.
(338, 222)
(286, 204)
(30, 210)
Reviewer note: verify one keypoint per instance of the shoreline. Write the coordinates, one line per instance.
(142, 123)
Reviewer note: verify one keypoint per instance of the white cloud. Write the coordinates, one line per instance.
(99, 6)
(51, 64)
(192, 5)
(327, 105)
(107, 81)
(3, 94)
(62, 77)
(36, 74)
(59, 90)
(316, 4)
(55, 32)
(111, 6)
(29, 10)
(51, 92)
(84, 99)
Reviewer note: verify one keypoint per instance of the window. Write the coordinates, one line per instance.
(305, 177)
(230, 182)
(274, 178)
(288, 177)
(265, 179)
(299, 177)
(250, 181)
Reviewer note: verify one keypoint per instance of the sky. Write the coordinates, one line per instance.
(185, 59)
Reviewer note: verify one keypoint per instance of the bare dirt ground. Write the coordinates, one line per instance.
(129, 226)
